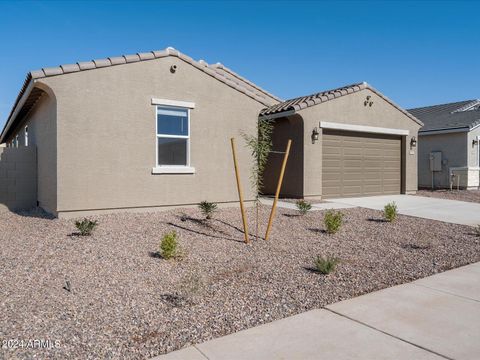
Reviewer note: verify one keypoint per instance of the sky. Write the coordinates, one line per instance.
(415, 53)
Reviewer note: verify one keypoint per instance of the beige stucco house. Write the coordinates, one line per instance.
(351, 141)
(134, 132)
(448, 151)
(152, 130)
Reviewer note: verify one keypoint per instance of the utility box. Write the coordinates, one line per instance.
(436, 161)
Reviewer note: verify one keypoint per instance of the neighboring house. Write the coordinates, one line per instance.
(152, 130)
(448, 150)
(350, 141)
(135, 132)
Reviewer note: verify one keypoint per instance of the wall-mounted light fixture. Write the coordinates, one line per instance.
(474, 142)
(413, 142)
(315, 134)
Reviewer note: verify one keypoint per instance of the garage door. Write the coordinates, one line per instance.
(356, 164)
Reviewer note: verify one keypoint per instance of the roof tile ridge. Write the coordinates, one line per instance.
(234, 74)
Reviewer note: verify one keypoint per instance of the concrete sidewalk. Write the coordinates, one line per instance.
(433, 318)
(452, 211)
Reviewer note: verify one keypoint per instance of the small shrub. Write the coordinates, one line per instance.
(476, 229)
(390, 212)
(326, 265)
(333, 221)
(169, 246)
(191, 286)
(303, 206)
(207, 209)
(86, 226)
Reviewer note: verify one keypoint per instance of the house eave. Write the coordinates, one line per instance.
(17, 109)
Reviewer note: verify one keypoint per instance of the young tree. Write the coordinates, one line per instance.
(260, 147)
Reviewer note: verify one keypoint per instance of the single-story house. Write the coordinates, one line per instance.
(448, 150)
(351, 141)
(134, 132)
(153, 130)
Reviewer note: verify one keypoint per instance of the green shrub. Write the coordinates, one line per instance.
(333, 221)
(207, 209)
(326, 265)
(476, 229)
(169, 246)
(303, 206)
(86, 226)
(390, 212)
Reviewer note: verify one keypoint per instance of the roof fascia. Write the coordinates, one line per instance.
(17, 109)
(445, 131)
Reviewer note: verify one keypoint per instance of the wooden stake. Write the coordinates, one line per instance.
(240, 193)
(279, 186)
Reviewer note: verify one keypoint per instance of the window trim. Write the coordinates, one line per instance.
(172, 169)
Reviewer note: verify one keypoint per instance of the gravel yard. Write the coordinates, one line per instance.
(124, 301)
(461, 195)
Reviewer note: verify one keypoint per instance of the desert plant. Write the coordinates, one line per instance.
(303, 206)
(333, 221)
(191, 285)
(390, 212)
(169, 246)
(476, 230)
(86, 226)
(207, 209)
(326, 265)
(260, 145)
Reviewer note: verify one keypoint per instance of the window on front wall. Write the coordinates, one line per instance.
(173, 136)
(26, 135)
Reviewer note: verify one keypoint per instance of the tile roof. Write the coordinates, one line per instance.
(456, 115)
(303, 102)
(218, 71)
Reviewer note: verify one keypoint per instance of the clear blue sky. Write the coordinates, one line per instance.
(416, 53)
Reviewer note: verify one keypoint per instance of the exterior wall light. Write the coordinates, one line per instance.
(315, 134)
(413, 142)
(474, 142)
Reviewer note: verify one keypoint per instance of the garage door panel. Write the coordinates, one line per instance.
(357, 164)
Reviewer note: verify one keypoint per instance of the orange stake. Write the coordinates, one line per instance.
(277, 193)
(240, 192)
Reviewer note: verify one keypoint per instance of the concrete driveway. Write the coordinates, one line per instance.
(452, 211)
(437, 317)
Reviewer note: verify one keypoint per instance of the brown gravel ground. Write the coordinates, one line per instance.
(122, 302)
(461, 195)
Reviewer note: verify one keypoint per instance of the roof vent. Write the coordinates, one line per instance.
(203, 62)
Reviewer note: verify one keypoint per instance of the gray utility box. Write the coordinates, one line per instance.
(436, 161)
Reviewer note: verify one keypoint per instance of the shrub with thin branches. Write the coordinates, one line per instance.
(207, 209)
(333, 221)
(326, 265)
(390, 212)
(303, 206)
(169, 246)
(260, 145)
(86, 226)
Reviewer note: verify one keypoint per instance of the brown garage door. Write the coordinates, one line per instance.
(356, 164)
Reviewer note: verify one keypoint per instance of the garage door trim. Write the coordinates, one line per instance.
(363, 128)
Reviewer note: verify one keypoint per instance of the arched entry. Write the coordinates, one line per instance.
(289, 127)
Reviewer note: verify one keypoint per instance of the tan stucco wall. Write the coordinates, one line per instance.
(454, 154)
(41, 121)
(107, 141)
(17, 178)
(350, 109)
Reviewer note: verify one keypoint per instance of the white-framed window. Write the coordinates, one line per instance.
(16, 141)
(26, 135)
(172, 137)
